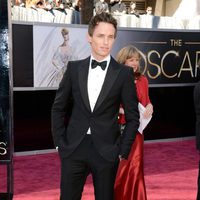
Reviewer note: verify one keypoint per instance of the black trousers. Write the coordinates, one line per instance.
(83, 161)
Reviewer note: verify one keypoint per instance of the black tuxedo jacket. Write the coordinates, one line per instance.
(197, 110)
(118, 87)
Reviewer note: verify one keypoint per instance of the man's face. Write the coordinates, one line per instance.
(102, 40)
(149, 11)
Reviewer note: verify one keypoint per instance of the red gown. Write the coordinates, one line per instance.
(129, 183)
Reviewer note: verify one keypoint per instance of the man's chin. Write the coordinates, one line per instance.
(105, 54)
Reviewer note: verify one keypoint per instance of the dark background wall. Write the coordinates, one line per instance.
(173, 116)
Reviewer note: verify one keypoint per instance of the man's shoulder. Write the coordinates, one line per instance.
(114, 62)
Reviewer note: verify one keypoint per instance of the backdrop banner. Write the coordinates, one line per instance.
(169, 58)
(5, 133)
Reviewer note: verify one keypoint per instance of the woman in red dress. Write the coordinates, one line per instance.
(130, 184)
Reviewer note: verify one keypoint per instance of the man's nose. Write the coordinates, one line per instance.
(105, 40)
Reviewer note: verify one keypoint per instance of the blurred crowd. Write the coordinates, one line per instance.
(112, 6)
(49, 4)
(119, 7)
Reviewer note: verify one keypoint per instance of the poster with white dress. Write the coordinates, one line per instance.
(54, 47)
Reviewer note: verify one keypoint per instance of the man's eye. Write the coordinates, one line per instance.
(111, 36)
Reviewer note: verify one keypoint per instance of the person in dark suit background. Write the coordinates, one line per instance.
(118, 8)
(132, 9)
(197, 111)
(91, 142)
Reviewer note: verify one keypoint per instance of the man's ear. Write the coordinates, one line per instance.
(89, 38)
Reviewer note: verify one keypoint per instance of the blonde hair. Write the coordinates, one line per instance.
(64, 31)
(128, 52)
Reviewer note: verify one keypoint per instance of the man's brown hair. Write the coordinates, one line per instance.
(102, 17)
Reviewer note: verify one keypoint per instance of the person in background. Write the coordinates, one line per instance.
(31, 4)
(40, 4)
(132, 9)
(91, 142)
(129, 183)
(118, 8)
(19, 3)
(149, 10)
(111, 4)
(76, 5)
(49, 7)
(197, 112)
(61, 8)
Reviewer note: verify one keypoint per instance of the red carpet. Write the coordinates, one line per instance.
(170, 173)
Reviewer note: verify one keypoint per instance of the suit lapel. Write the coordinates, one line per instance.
(112, 73)
(83, 77)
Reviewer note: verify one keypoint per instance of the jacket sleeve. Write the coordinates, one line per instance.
(130, 104)
(60, 106)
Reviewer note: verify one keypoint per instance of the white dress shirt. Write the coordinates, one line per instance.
(95, 82)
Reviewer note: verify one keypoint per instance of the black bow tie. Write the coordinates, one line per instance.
(101, 64)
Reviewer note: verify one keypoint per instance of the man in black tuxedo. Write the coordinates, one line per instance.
(91, 142)
(197, 111)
